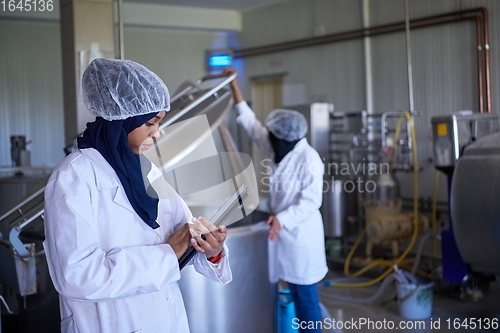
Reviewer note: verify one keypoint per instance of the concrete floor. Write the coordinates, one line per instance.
(447, 309)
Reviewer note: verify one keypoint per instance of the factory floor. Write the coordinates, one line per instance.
(448, 312)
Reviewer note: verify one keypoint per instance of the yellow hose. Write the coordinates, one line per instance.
(415, 228)
(395, 140)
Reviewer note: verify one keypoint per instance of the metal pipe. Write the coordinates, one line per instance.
(487, 58)
(368, 68)
(121, 43)
(408, 57)
(395, 27)
(352, 34)
(385, 115)
(479, 41)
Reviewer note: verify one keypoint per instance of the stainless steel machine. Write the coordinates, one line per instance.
(474, 204)
(248, 303)
(465, 149)
(452, 133)
(20, 156)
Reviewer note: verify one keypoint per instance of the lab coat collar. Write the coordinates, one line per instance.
(106, 177)
(102, 170)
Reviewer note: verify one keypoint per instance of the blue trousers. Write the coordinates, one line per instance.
(307, 307)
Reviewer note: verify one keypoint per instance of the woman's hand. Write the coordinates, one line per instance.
(233, 83)
(213, 243)
(238, 96)
(179, 241)
(275, 228)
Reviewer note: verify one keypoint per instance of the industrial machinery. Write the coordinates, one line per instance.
(461, 151)
(386, 223)
(20, 155)
(23, 269)
(371, 160)
(474, 210)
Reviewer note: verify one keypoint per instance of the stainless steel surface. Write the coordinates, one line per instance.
(184, 102)
(386, 187)
(318, 118)
(384, 129)
(333, 209)
(452, 133)
(248, 303)
(474, 204)
(16, 192)
(347, 121)
(121, 39)
(17, 253)
(408, 55)
(17, 145)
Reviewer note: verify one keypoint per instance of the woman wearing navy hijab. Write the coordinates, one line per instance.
(112, 250)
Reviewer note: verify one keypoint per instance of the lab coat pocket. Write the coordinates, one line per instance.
(68, 325)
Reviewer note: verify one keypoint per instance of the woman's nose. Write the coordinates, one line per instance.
(156, 134)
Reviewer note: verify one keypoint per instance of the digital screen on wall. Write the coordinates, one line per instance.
(219, 59)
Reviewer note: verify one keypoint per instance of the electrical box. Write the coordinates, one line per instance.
(452, 133)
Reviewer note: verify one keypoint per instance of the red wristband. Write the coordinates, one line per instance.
(216, 259)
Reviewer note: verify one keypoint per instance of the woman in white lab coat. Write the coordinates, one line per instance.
(294, 179)
(111, 249)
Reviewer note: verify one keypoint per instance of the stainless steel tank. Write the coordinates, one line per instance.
(474, 204)
(333, 208)
(386, 187)
(245, 305)
(17, 183)
(339, 205)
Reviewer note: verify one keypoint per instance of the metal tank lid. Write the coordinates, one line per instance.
(487, 145)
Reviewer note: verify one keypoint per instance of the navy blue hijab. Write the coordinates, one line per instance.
(281, 147)
(110, 138)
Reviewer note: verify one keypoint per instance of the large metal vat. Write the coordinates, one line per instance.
(245, 305)
(16, 183)
(474, 204)
(333, 208)
(26, 285)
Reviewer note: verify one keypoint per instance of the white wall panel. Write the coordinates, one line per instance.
(172, 54)
(31, 90)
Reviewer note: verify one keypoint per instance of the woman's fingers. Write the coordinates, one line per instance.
(196, 245)
(199, 226)
(212, 242)
(206, 223)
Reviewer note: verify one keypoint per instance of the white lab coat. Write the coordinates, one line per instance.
(295, 196)
(114, 273)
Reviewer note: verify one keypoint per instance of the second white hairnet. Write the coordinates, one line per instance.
(118, 89)
(288, 125)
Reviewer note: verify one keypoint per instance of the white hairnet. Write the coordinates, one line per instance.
(118, 89)
(287, 125)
